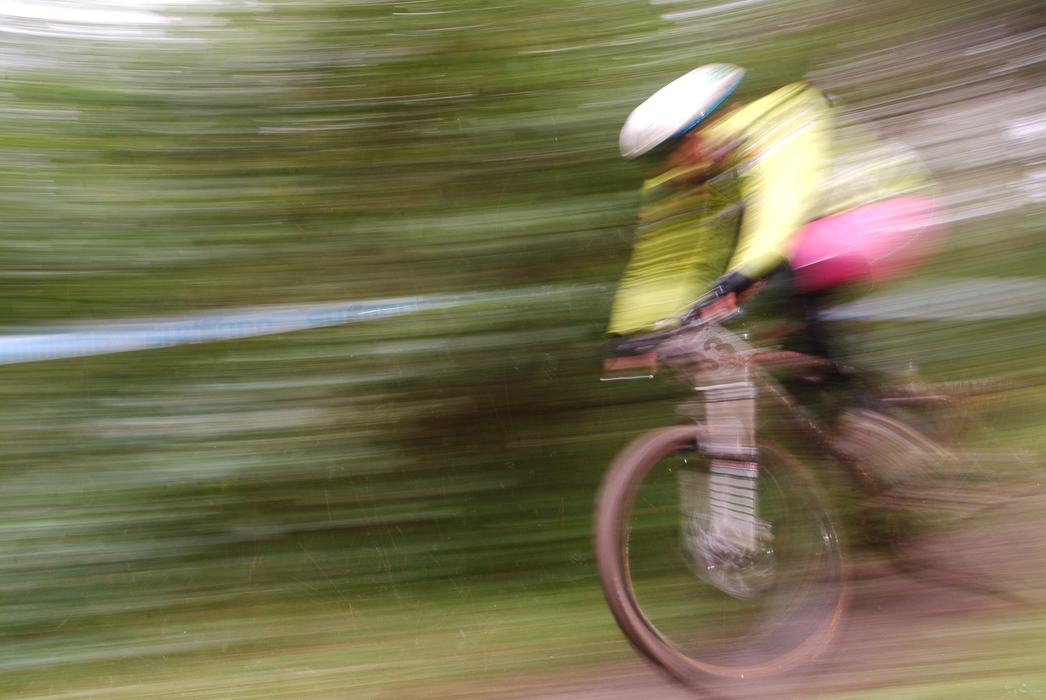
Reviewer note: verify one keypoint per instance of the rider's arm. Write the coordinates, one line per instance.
(783, 159)
(780, 191)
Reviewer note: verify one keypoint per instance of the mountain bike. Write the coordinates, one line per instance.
(718, 549)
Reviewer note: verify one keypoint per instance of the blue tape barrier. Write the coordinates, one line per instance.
(951, 300)
(100, 339)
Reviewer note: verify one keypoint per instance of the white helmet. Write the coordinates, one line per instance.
(677, 107)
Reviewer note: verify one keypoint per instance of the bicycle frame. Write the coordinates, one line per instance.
(731, 375)
(786, 573)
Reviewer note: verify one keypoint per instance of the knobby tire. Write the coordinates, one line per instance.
(790, 626)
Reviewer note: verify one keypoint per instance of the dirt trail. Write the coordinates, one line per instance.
(972, 624)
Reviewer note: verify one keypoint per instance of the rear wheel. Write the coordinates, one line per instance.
(695, 603)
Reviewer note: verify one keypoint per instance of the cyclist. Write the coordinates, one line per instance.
(788, 182)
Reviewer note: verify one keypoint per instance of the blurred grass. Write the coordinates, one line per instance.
(384, 507)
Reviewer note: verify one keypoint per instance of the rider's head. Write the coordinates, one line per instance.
(667, 120)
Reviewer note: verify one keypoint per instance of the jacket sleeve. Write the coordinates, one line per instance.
(783, 143)
(780, 190)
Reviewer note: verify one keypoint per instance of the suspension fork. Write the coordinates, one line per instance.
(729, 440)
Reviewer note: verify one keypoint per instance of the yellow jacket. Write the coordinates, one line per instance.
(796, 159)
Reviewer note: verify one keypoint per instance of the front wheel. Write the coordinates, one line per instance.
(696, 602)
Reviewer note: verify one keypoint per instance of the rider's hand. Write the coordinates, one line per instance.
(724, 295)
(752, 291)
(722, 306)
(731, 283)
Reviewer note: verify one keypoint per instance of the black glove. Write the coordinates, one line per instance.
(730, 282)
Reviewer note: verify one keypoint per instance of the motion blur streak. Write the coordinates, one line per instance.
(400, 507)
(101, 339)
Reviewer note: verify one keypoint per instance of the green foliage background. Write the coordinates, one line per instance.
(380, 505)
